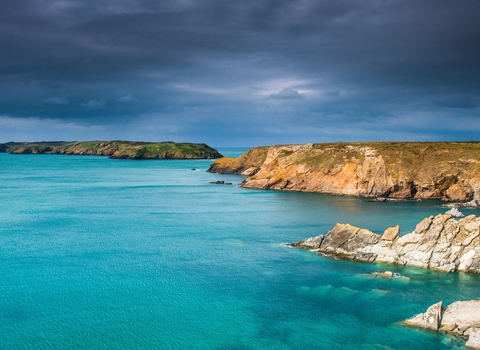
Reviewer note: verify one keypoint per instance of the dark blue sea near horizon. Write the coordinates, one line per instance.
(121, 254)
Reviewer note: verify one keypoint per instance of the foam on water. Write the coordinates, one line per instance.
(104, 254)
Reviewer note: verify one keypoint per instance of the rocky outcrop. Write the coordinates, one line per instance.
(247, 164)
(461, 318)
(118, 149)
(439, 243)
(450, 171)
(455, 213)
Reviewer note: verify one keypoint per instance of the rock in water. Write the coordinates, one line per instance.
(460, 318)
(430, 319)
(439, 243)
(474, 340)
(455, 213)
(310, 243)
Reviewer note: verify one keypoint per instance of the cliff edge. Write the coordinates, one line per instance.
(415, 170)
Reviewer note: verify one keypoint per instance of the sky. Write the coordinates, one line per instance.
(240, 73)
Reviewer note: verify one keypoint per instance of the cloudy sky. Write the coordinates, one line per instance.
(240, 73)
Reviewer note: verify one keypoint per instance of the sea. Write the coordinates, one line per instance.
(127, 254)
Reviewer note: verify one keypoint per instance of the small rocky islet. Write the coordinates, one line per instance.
(116, 149)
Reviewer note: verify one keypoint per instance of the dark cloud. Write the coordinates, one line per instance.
(264, 71)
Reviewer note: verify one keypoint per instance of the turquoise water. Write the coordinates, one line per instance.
(119, 254)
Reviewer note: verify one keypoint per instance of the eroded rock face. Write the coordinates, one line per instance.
(450, 171)
(460, 318)
(439, 243)
(430, 319)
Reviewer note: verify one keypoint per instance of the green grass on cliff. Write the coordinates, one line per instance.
(407, 159)
(118, 149)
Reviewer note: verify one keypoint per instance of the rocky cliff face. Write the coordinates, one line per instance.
(439, 243)
(450, 171)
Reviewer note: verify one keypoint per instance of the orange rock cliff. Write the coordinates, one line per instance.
(415, 170)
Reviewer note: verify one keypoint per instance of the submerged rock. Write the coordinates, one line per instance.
(389, 275)
(461, 318)
(439, 243)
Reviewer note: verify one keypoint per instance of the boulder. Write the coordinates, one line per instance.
(455, 213)
(310, 243)
(391, 233)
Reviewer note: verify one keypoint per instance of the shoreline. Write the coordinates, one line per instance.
(388, 171)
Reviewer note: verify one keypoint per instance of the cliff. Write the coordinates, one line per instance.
(116, 149)
(439, 243)
(447, 170)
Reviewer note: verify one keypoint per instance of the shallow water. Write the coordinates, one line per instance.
(108, 254)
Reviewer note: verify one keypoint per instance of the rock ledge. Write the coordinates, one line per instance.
(440, 243)
(461, 318)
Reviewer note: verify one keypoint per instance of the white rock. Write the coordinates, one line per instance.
(474, 340)
(455, 213)
(465, 314)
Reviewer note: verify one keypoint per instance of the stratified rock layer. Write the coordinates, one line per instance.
(446, 170)
(439, 243)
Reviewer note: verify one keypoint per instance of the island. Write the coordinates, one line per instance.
(116, 149)
(383, 170)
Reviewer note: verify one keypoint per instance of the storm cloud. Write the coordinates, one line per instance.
(240, 72)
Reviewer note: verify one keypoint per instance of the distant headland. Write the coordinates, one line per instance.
(116, 149)
(382, 170)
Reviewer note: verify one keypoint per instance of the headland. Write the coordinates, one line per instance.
(116, 149)
(382, 170)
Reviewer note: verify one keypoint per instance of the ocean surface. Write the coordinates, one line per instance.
(121, 254)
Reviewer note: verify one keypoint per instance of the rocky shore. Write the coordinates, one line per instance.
(116, 149)
(440, 243)
(390, 170)
(461, 318)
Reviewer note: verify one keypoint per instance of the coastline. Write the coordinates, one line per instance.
(385, 170)
(116, 149)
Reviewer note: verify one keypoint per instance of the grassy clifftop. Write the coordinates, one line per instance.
(116, 149)
(448, 170)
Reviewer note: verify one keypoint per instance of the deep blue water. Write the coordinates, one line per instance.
(121, 254)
